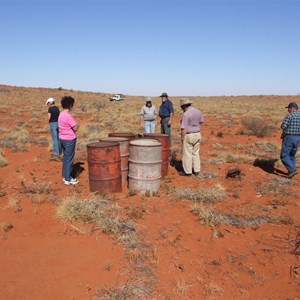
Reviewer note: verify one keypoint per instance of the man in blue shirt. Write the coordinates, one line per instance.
(290, 139)
(166, 112)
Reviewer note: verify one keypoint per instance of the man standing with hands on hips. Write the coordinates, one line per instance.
(290, 139)
(166, 112)
(191, 137)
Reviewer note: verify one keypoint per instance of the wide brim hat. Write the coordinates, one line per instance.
(148, 99)
(185, 102)
(164, 95)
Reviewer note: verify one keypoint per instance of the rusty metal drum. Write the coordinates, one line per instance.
(104, 163)
(124, 153)
(165, 141)
(129, 135)
(144, 165)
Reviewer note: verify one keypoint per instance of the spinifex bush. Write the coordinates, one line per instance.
(208, 195)
(102, 214)
(257, 126)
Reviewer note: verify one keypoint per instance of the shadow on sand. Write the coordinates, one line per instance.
(268, 165)
(177, 164)
(77, 169)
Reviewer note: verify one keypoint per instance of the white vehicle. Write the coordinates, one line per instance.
(117, 97)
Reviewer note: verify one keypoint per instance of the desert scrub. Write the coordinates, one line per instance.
(3, 160)
(257, 126)
(219, 146)
(16, 140)
(266, 146)
(210, 195)
(278, 186)
(213, 217)
(100, 104)
(35, 187)
(90, 131)
(101, 213)
(237, 158)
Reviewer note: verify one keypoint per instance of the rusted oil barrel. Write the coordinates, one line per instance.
(144, 165)
(164, 139)
(124, 153)
(104, 163)
(129, 135)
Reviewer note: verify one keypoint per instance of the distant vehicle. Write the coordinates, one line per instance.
(117, 97)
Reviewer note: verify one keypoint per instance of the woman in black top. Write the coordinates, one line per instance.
(53, 113)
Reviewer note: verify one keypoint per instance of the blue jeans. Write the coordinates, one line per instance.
(55, 139)
(165, 128)
(149, 126)
(288, 153)
(68, 147)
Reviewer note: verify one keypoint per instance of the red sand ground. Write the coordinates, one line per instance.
(43, 257)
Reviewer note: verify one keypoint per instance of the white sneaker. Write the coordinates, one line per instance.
(73, 181)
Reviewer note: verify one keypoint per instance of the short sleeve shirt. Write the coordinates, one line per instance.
(149, 113)
(166, 109)
(65, 126)
(191, 120)
(54, 113)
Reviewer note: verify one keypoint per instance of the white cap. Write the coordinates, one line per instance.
(50, 100)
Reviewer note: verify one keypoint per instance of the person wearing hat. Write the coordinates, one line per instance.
(290, 139)
(166, 112)
(53, 113)
(191, 137)
(148, 116)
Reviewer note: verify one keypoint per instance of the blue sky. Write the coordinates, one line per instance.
(183, 47)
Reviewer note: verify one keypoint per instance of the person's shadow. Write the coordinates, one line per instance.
(268, 165)
(77, 169)
(177, 164)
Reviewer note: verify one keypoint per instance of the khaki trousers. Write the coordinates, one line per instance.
(191, 152)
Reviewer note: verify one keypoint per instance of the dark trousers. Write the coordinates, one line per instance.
(165, 128)
(68, 147)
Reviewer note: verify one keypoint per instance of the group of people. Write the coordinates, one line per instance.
(192, 118)
(149, 115)
(63, 129)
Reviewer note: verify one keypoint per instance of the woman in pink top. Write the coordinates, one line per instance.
(67, 136)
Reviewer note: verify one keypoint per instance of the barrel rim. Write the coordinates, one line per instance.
(114, 139)
(102, 144)
(156, 134)
(146, 142)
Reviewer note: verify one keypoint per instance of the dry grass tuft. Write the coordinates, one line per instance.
(280, 200)
(284, 218)
(101, 213)
(213, 217)
(180, 287)
(127, 291)
(237, 158)
(35, 187)
(3, 160)
(135, 212)
(210, 195)
(213, 290)
(275, 186)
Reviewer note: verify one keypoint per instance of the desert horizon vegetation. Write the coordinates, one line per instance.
(209, 237)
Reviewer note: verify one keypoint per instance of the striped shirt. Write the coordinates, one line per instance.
(291, 123)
